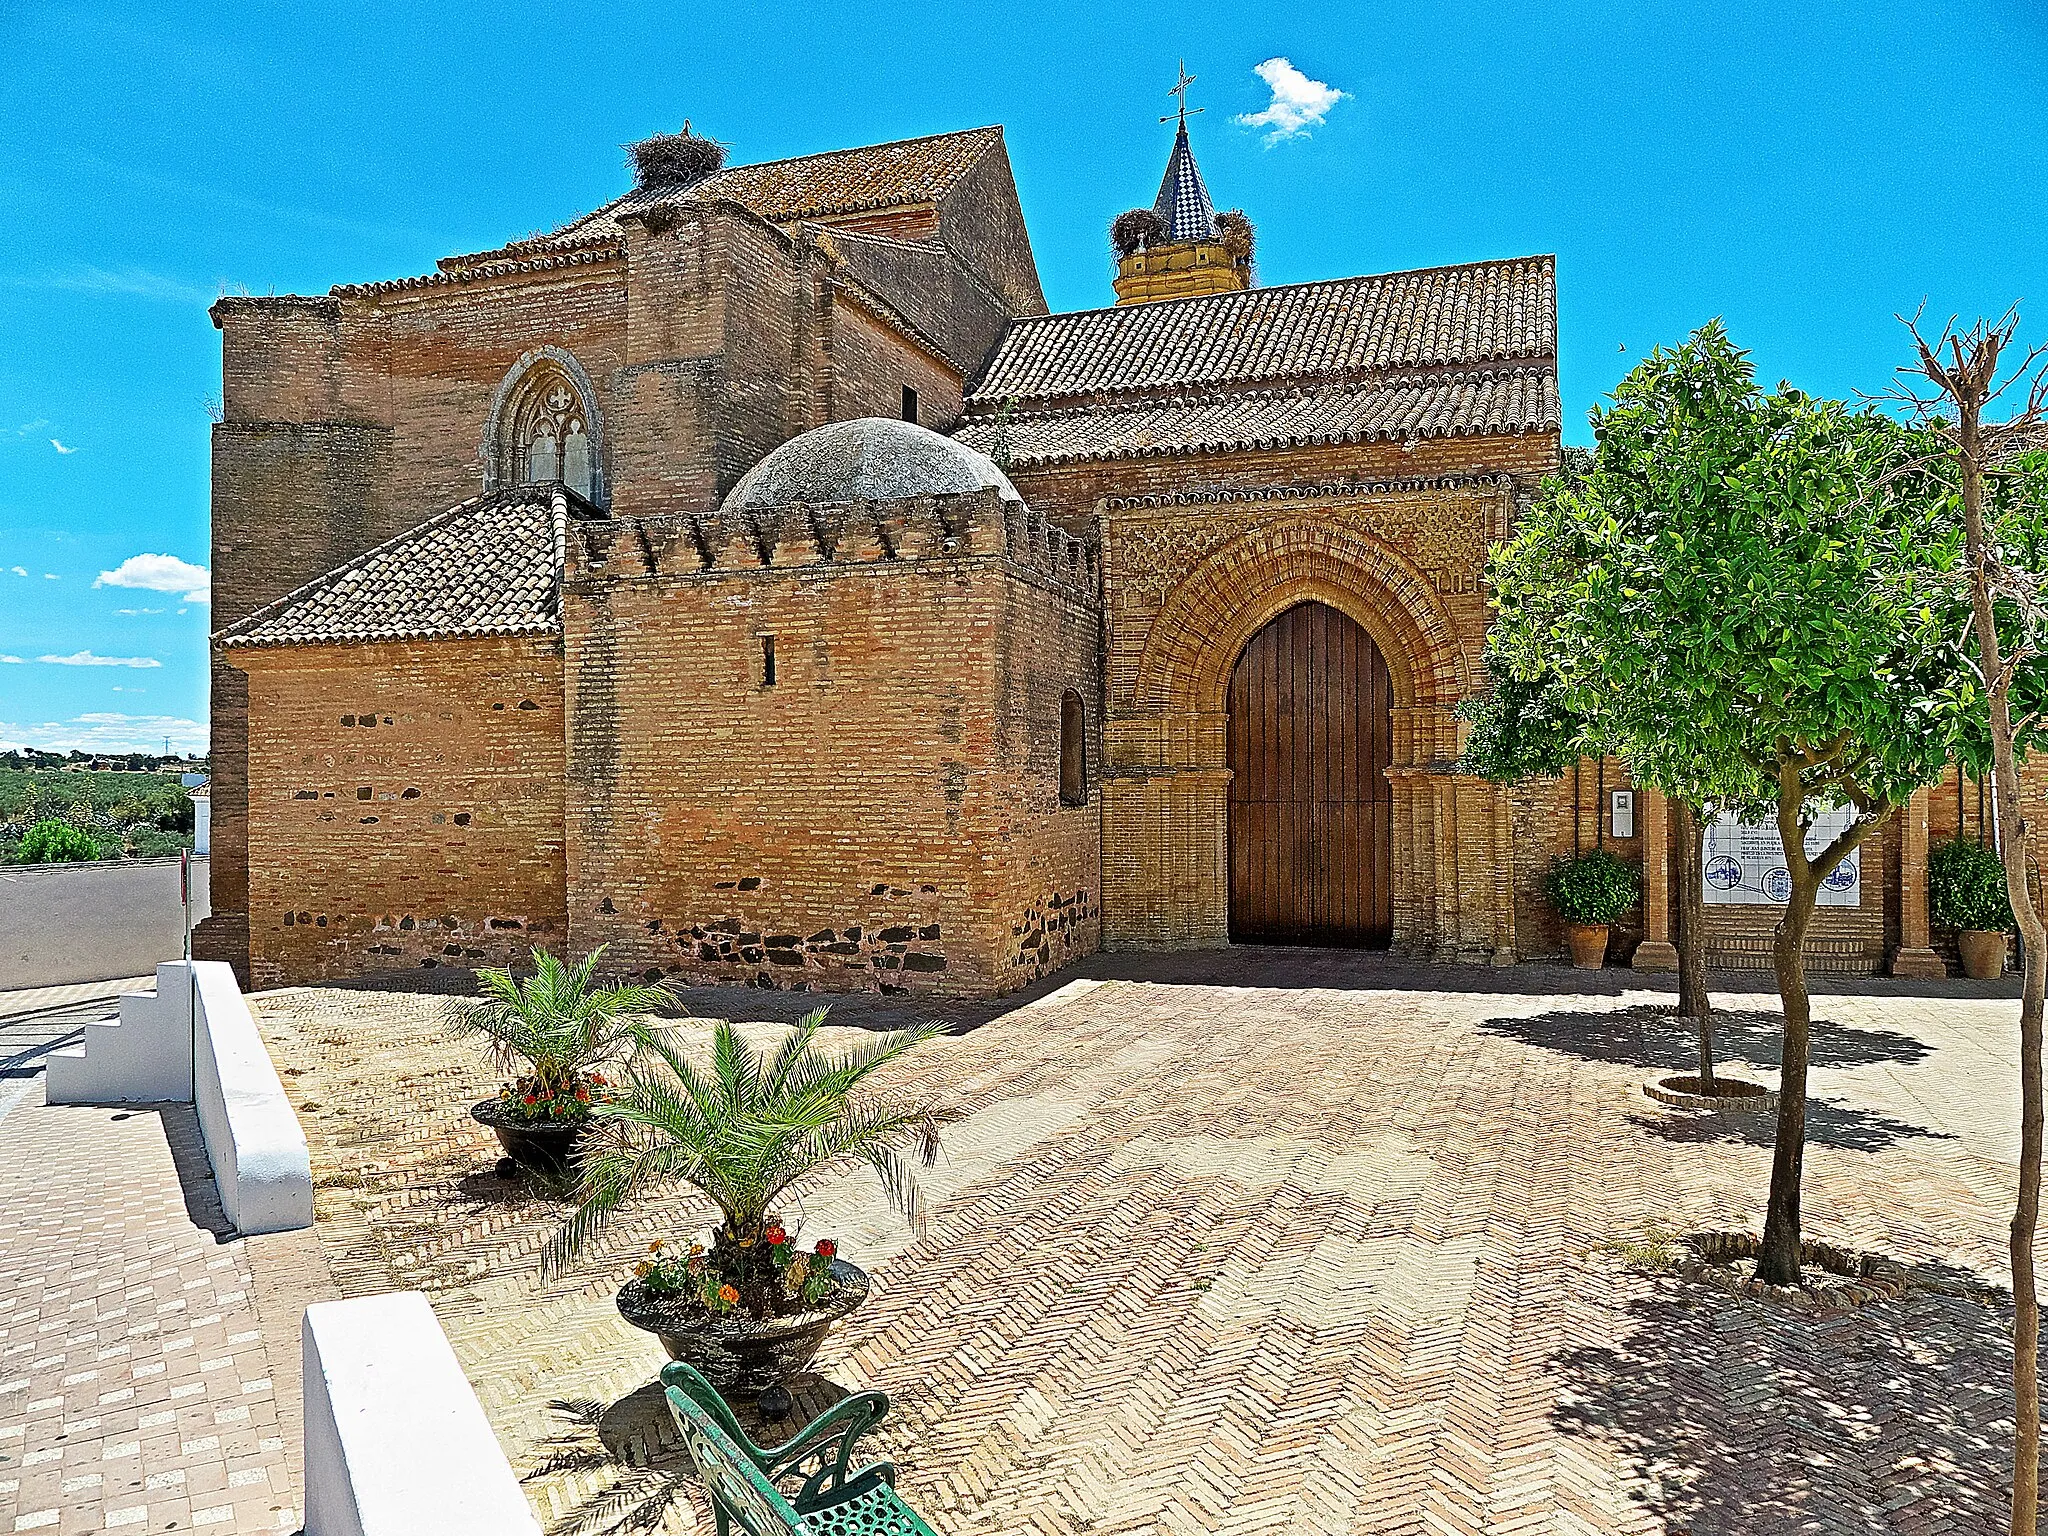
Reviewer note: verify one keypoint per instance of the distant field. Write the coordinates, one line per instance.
(129, 815)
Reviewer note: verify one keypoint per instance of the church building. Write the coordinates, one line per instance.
(753, 577)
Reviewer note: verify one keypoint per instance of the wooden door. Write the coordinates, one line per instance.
(1310, 806)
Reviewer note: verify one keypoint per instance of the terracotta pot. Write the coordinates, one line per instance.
(1983, 953)
(547, 1151)
(741, 1355)
(1589, 944)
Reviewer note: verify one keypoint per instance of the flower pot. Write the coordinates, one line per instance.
(1983, 953)
(546, 1149)
(738, 1354)
(1589, 944)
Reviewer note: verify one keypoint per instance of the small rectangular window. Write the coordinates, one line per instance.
(767, 661)
(909, 403)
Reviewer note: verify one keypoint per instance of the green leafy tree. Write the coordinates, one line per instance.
(554, 1029)
(51, 841)
(748, 1133)
(1752, 594)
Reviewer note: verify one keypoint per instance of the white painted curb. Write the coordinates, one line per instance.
(193, 1041)
(396, 1443)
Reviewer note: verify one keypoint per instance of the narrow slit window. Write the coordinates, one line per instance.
(1073, 750)
(767, 661)
(909, 403)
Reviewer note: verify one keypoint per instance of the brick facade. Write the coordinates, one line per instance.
(886, 813)
(407, 800)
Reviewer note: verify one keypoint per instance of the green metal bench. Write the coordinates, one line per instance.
(742, 1478)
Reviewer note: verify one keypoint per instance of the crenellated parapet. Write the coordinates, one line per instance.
(978, 525)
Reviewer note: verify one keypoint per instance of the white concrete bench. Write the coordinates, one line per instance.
(193, 1041)
(396, 1443)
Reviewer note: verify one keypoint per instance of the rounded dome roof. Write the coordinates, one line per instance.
(868, 459)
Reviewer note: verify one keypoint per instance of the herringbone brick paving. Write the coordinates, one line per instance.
(1277, 1242)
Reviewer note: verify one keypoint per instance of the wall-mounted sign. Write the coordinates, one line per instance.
(1745, 863)
(1624, 813)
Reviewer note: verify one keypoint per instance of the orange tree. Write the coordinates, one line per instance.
(1751, 599)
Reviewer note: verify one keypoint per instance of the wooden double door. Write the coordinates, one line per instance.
(1310, 806)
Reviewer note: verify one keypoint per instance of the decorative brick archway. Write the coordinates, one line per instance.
(1165, 816)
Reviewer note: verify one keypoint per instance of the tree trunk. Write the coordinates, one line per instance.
(1693, 1001)
(2014, 835)
(1778, 1261)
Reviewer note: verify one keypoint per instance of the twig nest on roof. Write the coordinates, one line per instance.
(1131, 232)
(675, 159)
(1237, 234)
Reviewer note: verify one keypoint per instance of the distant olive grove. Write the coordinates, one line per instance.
(49, 817)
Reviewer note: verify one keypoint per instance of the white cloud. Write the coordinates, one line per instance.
(136, 613)
(31, 426)
(107, 733)
(51, 576)
(87, 659)
(1298, 103)
(12, 661)
(160, 573)
(19, 570)
(60, 447)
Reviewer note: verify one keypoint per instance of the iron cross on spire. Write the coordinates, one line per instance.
(1180, 89)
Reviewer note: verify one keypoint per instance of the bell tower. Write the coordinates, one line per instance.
(1180, 247)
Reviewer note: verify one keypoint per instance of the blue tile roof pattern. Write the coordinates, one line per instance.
(1183, 200)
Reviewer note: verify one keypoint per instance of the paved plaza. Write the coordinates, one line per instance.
(1253, 1241)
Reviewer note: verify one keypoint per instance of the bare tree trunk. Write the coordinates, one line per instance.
(2014, 835)
(1693, 1001)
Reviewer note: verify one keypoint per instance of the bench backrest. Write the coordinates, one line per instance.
(737, 1488)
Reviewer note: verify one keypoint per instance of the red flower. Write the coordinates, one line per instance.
(827, 1248)
(529, 1098)
(776, 1236)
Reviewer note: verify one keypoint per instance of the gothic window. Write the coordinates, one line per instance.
(545, 436)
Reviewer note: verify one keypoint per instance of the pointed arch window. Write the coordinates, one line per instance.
(547, 433)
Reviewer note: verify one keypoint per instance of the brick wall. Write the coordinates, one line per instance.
(886, 814)
(405, 802)
(871, 364)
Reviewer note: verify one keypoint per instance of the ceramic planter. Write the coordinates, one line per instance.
(1983, 953)
(738, 1354)
(1589, 944)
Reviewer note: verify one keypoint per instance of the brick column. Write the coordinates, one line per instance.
(1913, 957)
(1656, 952)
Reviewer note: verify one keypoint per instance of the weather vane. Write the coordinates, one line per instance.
(1180, 90)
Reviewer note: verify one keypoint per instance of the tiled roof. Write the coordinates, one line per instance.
(1496, 401)
(490, 566)
(1183, 200)
(1486, 312)
(840, 181)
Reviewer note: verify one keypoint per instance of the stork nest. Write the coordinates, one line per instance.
(675, 159)
(1131, 232)
(1237, 234)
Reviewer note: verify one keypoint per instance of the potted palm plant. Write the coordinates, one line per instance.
(552, 1033)
(750, 1132)
(1966, 892)
(1589, 893)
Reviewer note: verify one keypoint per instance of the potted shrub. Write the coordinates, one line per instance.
(749, 1132)
(1966, 892)
(552, 1033)
(1589, 893)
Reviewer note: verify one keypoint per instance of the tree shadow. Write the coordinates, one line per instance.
(1828, 1124)
(1729, 1418)
(632, 1459)
(1656, 1037)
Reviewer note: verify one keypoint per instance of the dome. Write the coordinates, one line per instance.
(870, 459)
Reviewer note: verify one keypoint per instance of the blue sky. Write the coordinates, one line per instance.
(1803, 171)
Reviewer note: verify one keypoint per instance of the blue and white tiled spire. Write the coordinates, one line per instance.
(1183, 201)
